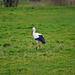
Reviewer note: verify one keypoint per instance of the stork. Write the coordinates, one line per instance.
(38, 37)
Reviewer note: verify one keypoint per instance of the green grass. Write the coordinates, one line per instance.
(18, 55)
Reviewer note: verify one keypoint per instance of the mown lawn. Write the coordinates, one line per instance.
(18, 55)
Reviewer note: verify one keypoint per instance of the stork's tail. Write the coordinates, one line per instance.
(42, 39)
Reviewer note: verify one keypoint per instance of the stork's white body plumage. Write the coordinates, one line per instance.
(38, 37)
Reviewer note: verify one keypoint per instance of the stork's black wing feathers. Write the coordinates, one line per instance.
(41, 38)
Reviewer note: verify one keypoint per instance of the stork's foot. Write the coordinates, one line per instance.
(36, 47)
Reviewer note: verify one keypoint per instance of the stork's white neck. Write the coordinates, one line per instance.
(36, 35)
(33, 30)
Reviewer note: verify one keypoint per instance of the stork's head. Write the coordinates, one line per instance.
(33, 30)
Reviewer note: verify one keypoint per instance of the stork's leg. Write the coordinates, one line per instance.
(39, 46)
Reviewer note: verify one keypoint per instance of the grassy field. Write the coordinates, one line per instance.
(18, 55)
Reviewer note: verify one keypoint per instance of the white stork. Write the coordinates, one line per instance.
(38, 37)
